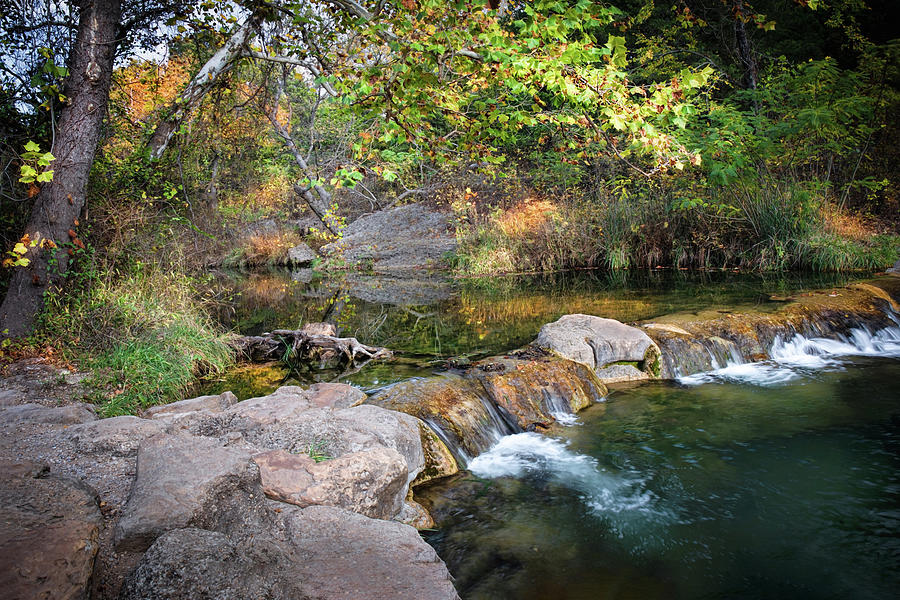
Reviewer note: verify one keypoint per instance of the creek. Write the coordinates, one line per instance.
(776, 479)
(426, 322)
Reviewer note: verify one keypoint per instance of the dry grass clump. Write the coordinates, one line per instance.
(263, 249)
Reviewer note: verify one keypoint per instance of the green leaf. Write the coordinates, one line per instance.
(32, 146)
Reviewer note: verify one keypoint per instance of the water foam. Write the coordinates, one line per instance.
(525, 454)
(800, 357)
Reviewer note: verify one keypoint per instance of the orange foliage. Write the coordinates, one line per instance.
(526, 217)
(847, 225)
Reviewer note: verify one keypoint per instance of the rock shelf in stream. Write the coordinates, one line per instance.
(697, 342)
(471, 410)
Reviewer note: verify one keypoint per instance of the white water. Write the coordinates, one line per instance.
(524, 454)
(800, 357)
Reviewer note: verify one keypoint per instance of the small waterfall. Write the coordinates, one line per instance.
(456, 408)
(473, 411)
(797, 355)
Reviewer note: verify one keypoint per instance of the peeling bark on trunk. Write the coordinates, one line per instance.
(60, 202)
(219, 63)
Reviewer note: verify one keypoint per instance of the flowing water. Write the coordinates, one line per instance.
(767, 480)
(771, 480)
(430, 321)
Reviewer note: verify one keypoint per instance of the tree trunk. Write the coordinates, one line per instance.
(59, 202)
(744, 49)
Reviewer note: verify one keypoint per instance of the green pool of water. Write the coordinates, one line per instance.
(428, 324)
(719, 490)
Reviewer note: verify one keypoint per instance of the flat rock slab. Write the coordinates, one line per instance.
(290, 401)
(347, 556)
(194, 564)
(56, 415)
(215, 403)
(371, 482)
(186, 481)
(120, 436)
(598, 343)
(282, 422)
(48, 534)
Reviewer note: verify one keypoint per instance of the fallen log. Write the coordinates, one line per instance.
(296, 346)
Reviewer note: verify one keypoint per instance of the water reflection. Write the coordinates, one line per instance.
(430, 320)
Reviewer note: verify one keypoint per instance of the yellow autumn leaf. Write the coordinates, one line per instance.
(20, 248)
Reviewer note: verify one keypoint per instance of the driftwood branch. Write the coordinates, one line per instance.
(298, 346)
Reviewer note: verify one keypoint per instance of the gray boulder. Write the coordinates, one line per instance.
(119, 436)
(371, 483)
(895, 270)
(48, 534)
(186, 481)
(193, 564)
(216, 403)
(340, 432)
(399, 239)
(301, 255)
(347, 556)
(604, 345)
(55, 415)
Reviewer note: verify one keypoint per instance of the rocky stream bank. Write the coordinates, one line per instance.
(308, 493)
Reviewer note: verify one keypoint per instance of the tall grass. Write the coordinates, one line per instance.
(764, 226)
(143, 335)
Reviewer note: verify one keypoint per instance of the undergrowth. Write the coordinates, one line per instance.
(143, 335)
(766, 226)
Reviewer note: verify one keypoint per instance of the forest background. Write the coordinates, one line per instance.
(561, 134)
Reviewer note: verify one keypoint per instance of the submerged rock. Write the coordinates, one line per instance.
(615, 351)
(48, 534)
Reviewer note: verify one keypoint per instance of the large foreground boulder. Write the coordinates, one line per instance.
(288, 422)
(48, 534)
(346, 556)
(371, 482)
(187, 481)
(316, 553)
(194, 564)
(615, 351)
